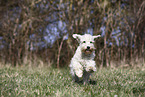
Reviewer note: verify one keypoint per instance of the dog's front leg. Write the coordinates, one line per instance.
(90, 66)
(78, 70)
(79, 73)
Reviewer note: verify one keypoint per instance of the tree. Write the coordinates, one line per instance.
(35, 28)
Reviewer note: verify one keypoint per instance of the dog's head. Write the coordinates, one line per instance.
(86, 42)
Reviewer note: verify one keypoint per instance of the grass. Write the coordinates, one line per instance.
(45, 81)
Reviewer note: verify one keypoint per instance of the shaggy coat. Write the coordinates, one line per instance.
(83, 64)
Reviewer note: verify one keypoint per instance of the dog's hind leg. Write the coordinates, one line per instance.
(86, 77)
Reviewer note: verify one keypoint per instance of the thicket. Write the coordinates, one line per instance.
(42, 29)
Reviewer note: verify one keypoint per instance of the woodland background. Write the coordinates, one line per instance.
(40, 31)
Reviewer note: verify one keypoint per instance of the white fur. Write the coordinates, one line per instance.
(83, 64)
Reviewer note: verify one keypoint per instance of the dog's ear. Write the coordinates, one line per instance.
(77, 36)
(96, 36)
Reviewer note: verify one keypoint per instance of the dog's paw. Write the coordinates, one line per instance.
(79, 74)
(90, 69)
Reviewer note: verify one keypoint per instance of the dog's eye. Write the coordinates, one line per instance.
(84, 41)
(91, 42)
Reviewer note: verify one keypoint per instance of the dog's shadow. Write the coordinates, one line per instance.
(92, 82)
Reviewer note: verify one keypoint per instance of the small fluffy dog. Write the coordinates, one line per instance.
(83, 64)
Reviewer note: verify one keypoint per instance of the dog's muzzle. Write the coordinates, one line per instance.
(89, 50)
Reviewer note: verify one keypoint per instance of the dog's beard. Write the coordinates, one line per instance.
(88, 51)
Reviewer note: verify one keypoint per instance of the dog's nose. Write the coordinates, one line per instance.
(88, 47)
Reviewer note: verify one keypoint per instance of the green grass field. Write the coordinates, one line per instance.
(42, 82)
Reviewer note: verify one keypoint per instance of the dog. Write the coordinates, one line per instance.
(82, 64)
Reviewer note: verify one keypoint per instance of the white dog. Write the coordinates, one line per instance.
(83, 64)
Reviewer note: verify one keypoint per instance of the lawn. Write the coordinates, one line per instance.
(52, 82)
